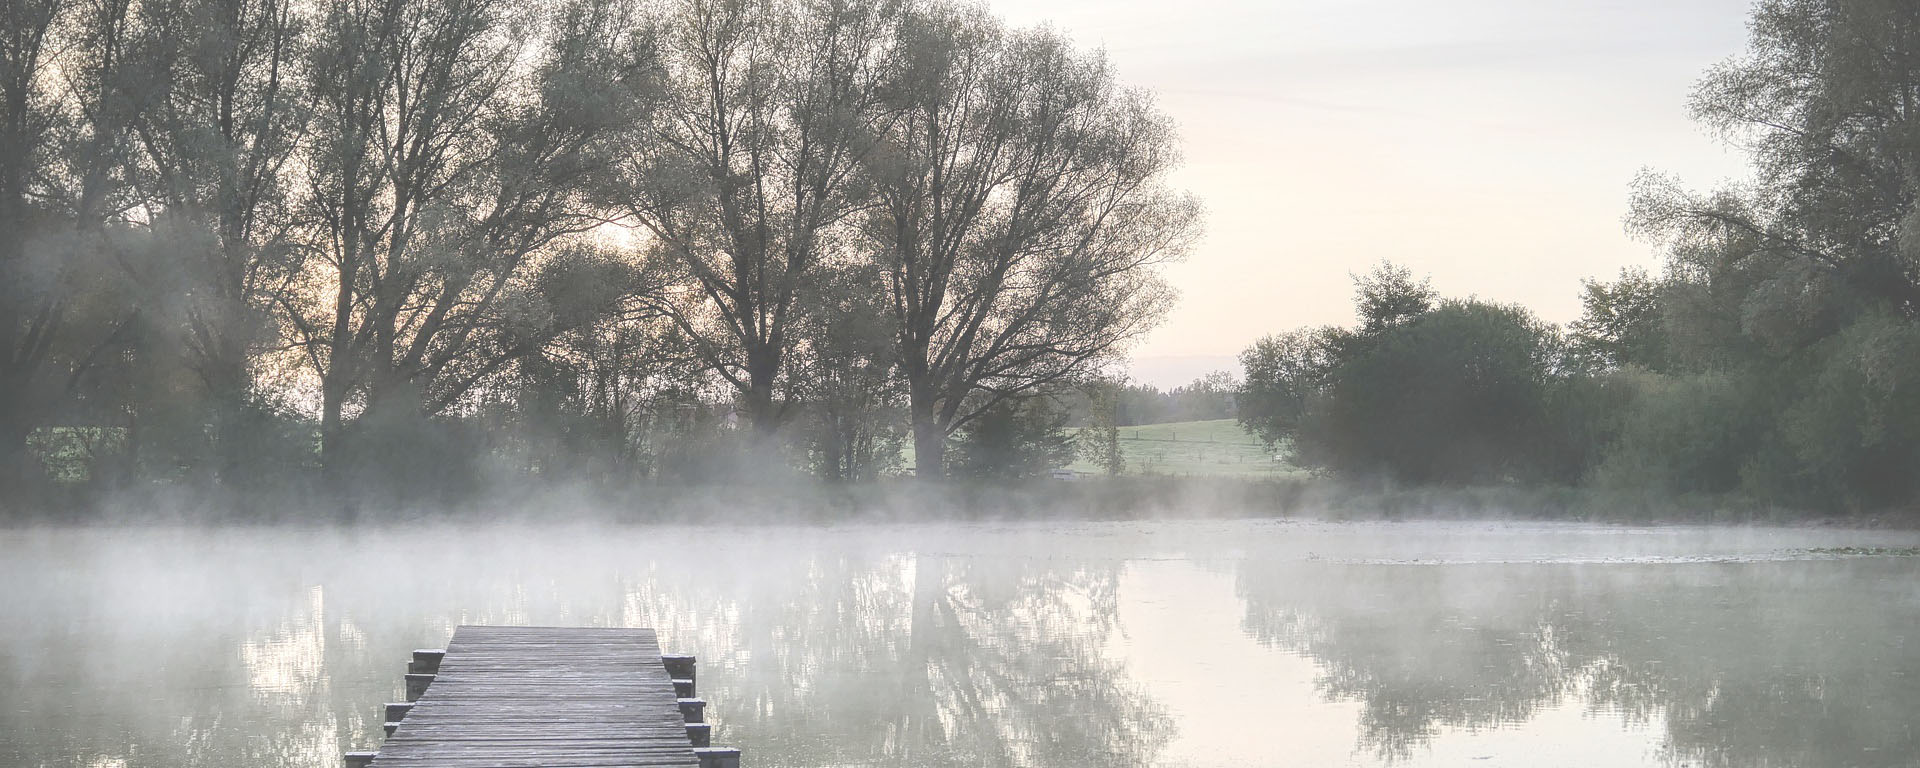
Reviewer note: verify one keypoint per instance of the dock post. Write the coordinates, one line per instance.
(701, 734)
(395, 712)
(718, 757)
(417, 684)
(426, 661)
(359, 759)
(694, 710)
(680, 667)
(420, 671)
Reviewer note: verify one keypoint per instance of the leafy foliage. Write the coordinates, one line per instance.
(1452, 393)
(1014, 439)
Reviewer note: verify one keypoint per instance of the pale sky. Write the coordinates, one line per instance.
(1488, 144)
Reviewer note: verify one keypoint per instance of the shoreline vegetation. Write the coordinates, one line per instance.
(905, 500)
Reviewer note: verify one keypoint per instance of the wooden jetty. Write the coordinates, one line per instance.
(506, 697)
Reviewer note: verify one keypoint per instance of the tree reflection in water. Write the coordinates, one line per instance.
(969, 645)
(917, 660)
(179, 667)
(1741, 664)
(847, 653)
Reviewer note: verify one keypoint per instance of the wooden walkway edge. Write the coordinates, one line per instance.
(511, 697)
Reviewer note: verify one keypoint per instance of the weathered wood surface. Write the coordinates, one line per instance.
(544, 696)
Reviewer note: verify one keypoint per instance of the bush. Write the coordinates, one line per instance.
(1852, 439)
(1455, 395)
(1017, 438)
(1685, 434)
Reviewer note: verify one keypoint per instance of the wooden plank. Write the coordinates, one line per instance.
(544, 696)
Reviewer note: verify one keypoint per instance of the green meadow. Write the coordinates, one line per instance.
(1212, 448)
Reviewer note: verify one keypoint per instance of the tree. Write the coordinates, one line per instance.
(1015, 438)
(1288, 375)
(218, 121)
(28, 309)
(432, 223)
(746, 172)
(1285, 375)
(1022, 212)
(64, 81)
(1208, 397)
(846, 374)
(1823, 99)
(1620, 322)
(442, 177)
(1454, 395)
(1389, 296)
(585, 404)
(1782, 295)
(1099, 439)
(1853, 439)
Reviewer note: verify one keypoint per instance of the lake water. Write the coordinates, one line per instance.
(1251, 643)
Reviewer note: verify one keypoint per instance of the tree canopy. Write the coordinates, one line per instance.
(409, 242)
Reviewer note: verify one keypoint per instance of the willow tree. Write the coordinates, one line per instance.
(1827, 101)
(453, 142)
(27, 116)
(749, 167)
(64, 116)
(218, 118)
(1022, 213)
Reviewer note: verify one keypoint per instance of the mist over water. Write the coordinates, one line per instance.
(1097, 644)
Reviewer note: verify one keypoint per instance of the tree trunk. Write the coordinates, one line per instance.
(832, 444)
(929, 439)
(13, 377)
(330, 424)
(227, 399)
(15, 366)
(333, 449)
(337, 378)
(22, 350)
(762, 365)
(15, 461)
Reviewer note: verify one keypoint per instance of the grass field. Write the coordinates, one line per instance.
(1217, 448)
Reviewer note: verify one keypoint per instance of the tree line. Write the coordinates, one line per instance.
(359, 242)
(1775, 358)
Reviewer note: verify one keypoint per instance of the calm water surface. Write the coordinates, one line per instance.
(1163, 644)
